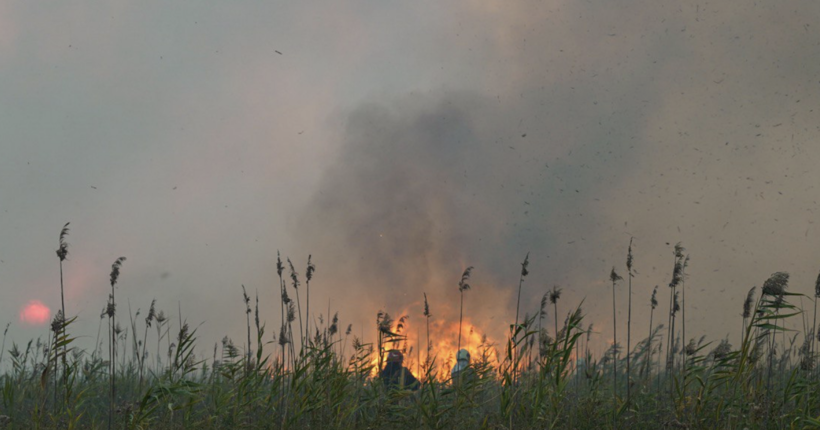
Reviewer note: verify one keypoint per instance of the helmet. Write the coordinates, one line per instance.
(394, 355)
(463, 355)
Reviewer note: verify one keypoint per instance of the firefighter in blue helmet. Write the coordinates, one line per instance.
(395, 375)
(462, 372)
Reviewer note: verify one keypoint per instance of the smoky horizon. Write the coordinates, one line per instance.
(396, 145)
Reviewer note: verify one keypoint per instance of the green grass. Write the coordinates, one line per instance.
(767, 382)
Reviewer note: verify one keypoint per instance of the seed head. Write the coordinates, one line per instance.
(747, 304)
(676, 306)
(111, 308)
(279, 266)
(291, 312)
(62, 251)
(462, 284)
(293, 275)
(691, 348)
(543, 312)
(817, 287)
(677, 272)
(285, 298)
(247, 300)
(776, 284)
(310, 269)
(679, 250)
(614, 277)
(629, 258)
(58, 322)
(555, 294)
(334, 326)
(115, 270)
(426, 307)
(524, 271)
(151, 313)
(654, 300)
(283, 336)
(722, 350)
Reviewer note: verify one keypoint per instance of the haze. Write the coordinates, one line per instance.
(400, 142)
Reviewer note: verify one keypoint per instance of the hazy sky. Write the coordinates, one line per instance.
(399, 143)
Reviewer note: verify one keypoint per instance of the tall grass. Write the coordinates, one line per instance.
(614, 277)
(62, 254)
(754, 385)
(462, 287)
(629, 275)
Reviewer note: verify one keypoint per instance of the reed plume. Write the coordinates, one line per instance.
(542, 313)
(555, 294)
(814, 322)
(148, 320)
(308, 276)
(747, 310)
(630, 275)
(677, 276)
(524, 273)
(294, 277)
(653, 303)
(111, 311)
(462, 287)
(247, 301)
(427, 316)
(614, 277)
(62, 254)
(282, 294)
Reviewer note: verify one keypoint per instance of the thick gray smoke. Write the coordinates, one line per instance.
(425, 185)
(689, 124)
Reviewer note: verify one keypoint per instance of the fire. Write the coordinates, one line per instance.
(444, 343)
(35, 313)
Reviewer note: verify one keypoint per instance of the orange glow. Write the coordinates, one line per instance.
(35, 313)
(443, 343)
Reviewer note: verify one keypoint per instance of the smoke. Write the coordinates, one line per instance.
(426, 185)
(684, 124)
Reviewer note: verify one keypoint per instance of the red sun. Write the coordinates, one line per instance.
(35, 313)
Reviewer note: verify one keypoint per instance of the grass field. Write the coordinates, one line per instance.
(537, 378)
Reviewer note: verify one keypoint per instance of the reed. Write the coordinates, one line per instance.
(653, 303)
(144, 354)
(514, 329)
(62, 254)
(462, 287)
(322, 387)
(282, 295)
(247, 300)
(614, 278)
(427, 316)
(814, 319)
(555, 294)
(311, 268)
(112, 351)
(294, 277)
(542, 313)
(747, 309)
(629, 275)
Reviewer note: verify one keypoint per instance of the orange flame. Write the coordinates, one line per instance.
(443, 343)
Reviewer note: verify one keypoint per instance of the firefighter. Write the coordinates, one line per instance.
(462, 372)
(395, 375)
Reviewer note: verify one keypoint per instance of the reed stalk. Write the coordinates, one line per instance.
(630, 275)
(462, 287)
